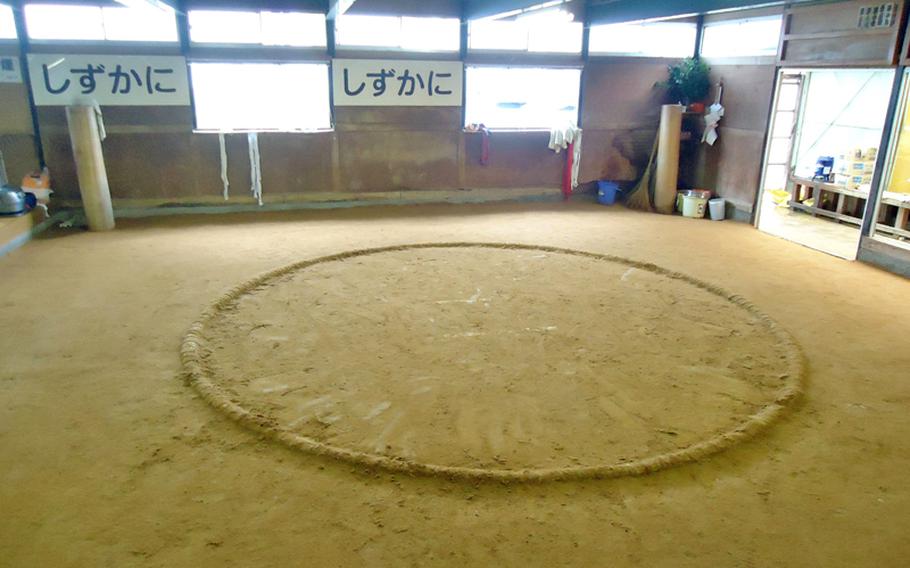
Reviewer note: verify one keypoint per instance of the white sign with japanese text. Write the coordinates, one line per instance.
(111, 80)
(384, 82)
(9, 69)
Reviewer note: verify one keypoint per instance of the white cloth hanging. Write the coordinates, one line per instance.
(576, 154)
(224, 164)
(562, 136)
(560, 139)
(255, 168)
(712, 118)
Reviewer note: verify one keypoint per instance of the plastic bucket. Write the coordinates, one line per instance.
(694, 205)
(606, 192)
(718, 208)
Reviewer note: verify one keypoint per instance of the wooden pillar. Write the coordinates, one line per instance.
(667, 173)
(93, 186)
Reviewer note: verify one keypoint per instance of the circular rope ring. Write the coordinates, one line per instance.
(194, 353)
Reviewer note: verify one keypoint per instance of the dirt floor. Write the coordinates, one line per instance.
(110, 458)
(486, 361)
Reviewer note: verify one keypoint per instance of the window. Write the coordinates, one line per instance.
(261, 96)
(7, 23)
(738, 38)
(648, 39)
(296, 29)
(393, 32)
(94, 23)
(521, 97)
(139, 24)
(549, 31)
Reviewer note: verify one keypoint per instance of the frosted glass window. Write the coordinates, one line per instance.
(738, 38)
(649, 39)
(393, 32)
(139, 24)
(495, 34)
(7, 23)
(96, 23)
(368, 31)
(430, 34)
(52, 22)
(547, 31)
(261, 96)
(296, 29)
(521, 97)
(216, 26)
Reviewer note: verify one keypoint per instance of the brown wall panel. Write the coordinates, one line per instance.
(517, 159)
(398, 160)
(617, 155)
(296, 163)
(738, 162)
(19, 155)
(16, 141)
(621, 93)
(732, 167)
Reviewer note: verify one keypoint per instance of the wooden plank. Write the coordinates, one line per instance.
(825, 213)
(827, 35)
(903, 214)
(888, 229)
(833, 187)
(841, 34)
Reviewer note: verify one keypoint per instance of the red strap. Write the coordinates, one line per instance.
(567, 173)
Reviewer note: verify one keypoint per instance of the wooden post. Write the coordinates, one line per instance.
(93, 186)
(667, 173)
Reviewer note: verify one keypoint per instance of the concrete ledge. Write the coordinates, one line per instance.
(878, 253)
(126, 208)
(16, 231)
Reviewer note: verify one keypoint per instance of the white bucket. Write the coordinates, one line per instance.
(718, 208)
(694, 206)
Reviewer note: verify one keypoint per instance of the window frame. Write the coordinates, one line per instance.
(127, 45)
(15, 37)
(740, 21)
(522, 65)
(208, 45)
(348, 49)
(594, 54)
(261, 61)
(527, 51)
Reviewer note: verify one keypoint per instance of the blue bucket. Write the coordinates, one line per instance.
(606, 192)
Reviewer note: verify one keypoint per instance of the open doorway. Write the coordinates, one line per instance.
(892, 211)
(820, 154)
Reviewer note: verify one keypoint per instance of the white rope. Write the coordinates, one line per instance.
(224, 165)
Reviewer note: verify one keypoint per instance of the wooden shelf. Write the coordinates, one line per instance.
(815, 189)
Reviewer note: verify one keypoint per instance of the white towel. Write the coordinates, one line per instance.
(576, 156)
(712, 118)
(560, 138)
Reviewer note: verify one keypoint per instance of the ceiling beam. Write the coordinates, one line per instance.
(474, 9)
(337, 8)
(618, 11)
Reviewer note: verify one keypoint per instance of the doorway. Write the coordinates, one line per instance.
(820, 153)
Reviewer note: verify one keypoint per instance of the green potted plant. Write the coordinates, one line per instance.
(689, 82)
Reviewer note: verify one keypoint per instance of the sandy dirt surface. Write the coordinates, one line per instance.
(494, 359)
(109, 458)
